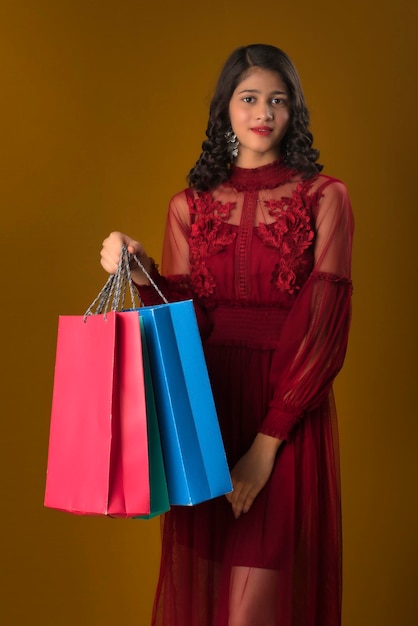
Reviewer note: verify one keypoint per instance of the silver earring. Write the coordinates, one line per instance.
(232, 144)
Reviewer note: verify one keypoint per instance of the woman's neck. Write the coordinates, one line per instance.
(252, 160)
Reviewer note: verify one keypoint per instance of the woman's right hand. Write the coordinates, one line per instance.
(111, 251)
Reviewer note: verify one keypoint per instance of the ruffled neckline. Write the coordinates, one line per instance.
(265, 177)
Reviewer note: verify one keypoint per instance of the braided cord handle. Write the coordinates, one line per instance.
(151, 281)
(113, 294)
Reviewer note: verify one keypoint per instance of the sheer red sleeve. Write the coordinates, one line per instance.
(175, 257)
(174, 279)
(314, 340)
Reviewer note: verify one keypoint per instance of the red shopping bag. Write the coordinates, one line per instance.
(98, 448)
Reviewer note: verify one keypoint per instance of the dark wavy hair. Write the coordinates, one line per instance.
(212, 167)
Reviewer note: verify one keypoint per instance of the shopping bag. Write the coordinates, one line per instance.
(98, 461)
(194, 455)
(159, 502)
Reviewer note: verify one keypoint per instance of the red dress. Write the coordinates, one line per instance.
(266, 258)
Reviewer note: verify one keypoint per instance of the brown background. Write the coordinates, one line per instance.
(103, 110)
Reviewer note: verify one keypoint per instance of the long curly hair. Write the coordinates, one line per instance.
(213, 165)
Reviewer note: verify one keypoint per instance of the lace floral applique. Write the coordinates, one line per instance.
(209, 234)
(292, 234)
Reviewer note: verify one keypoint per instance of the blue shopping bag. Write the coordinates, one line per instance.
(194, 455)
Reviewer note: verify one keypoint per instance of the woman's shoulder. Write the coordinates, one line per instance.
(181, 199)
(330, 188)
(189, 195)
(180, 196)
(332, 198)
(324, 181)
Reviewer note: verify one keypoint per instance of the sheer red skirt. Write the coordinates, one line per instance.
(292, 533)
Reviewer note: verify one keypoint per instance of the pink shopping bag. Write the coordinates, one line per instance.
(98, 449)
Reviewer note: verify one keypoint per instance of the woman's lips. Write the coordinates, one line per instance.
(262, 130)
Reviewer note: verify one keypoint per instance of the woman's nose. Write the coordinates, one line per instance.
(265, 112)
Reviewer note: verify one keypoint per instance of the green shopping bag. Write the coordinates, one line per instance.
(159, 502)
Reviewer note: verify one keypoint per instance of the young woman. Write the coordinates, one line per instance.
(261, 241)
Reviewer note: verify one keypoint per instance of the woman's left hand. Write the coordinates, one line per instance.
(252, 472)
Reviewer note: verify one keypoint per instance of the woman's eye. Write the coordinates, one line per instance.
(279, 101)
(248, 99)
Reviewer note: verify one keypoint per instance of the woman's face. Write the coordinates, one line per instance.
(259, 112)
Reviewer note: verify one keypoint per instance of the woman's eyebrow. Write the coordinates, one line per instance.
(258, 91)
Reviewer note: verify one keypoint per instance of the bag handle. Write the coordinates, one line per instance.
(147, 274)
(112, 295)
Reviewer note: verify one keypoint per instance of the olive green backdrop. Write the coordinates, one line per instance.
(103, 110)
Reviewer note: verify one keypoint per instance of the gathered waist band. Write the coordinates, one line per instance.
(258, 327)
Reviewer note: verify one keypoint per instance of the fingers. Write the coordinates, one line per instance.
(251, 473)
(241, 499)
(112, 247)
(134, 247)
